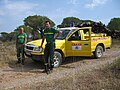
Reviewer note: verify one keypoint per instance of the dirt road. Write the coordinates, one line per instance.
(30, 76)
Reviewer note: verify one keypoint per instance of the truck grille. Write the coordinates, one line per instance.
(29, 48)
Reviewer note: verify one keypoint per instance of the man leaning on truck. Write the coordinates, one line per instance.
(49, 34)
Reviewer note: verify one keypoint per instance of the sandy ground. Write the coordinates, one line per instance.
(30, 76)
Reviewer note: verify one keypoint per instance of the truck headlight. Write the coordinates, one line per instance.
(37, 49)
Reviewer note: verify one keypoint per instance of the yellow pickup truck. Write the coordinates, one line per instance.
(73, 41)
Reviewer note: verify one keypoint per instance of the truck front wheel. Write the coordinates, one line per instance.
(57, 59)
(98, 52)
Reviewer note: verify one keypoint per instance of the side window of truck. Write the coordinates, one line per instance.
(75, 36)
(81, 34)
(85, 35)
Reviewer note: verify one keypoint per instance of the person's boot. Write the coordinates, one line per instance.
(45, 67)
(18, 62)
(23, 61)
(51, 68)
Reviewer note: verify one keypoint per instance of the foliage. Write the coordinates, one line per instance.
(27, 30)
(4, 36)
(12, 36)
(68, 21)
(8, 36)
(36, 23)
(114, 24)
(72, 21)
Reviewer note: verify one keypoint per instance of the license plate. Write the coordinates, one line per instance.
(28, 53)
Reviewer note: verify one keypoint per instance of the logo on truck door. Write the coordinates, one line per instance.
(76, 46)
(97, 39)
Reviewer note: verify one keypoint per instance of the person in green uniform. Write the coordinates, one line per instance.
(49, 34)
(21, 40)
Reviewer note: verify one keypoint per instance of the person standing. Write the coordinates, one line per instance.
(49, 35)
(21, 40)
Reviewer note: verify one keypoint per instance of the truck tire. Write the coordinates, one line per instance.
(98, 51)
(57, 59)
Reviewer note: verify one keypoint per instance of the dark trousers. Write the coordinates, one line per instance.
(20, 52)
(49, 53)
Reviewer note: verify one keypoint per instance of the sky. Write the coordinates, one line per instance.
(13, 12)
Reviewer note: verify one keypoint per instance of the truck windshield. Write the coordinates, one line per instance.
(63, 34)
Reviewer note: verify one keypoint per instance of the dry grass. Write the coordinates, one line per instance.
(106, 78)
(7, 53)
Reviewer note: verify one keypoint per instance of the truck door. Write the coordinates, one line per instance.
(79, 43)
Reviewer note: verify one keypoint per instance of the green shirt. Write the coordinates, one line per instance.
(21, 38)
(49, 34)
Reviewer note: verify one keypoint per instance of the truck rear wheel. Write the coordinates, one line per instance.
(98, 52)
(57, 59)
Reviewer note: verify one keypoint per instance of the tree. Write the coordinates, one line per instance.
(12, 36)
(70, 21)
(4, 36)
(27, 30)
(8, 36)
(36, 23)
(114, 24)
